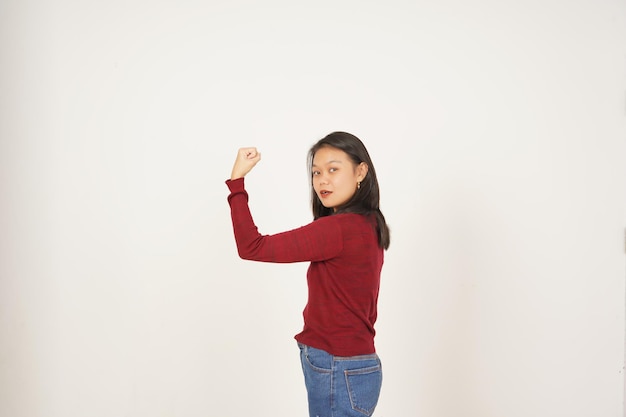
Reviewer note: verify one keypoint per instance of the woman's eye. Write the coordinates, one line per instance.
(332, 169)
(315, 173)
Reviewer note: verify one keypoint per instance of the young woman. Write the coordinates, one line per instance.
(344, 244)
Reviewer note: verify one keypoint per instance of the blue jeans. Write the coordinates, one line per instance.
(340, 386)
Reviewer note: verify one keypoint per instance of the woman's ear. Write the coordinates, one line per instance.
(361, 171)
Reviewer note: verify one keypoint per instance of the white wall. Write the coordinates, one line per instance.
(498, 133)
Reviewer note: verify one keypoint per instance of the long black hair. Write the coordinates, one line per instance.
(366, 200)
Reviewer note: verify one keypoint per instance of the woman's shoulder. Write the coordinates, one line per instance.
(347, 219)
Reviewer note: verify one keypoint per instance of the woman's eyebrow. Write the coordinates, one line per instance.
(330, 162)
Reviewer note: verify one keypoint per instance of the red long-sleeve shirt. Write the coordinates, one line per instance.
(343, 277)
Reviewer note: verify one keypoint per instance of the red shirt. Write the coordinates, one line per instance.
(343, 277)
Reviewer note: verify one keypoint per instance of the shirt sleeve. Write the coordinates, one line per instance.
(317, 241)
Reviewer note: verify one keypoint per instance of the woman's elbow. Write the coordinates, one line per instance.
(245, 254)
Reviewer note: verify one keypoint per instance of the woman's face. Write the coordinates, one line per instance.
(335, 176)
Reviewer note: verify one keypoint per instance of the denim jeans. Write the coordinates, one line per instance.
(340, 386)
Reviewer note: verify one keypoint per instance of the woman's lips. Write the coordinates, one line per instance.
(324, 193)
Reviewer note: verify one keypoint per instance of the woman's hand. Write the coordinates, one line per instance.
(247, 158)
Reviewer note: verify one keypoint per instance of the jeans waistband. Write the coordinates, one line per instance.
(341, 358)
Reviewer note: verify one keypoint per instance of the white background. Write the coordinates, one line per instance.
(498, 132)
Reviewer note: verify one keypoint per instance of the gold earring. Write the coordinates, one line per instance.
(358, 185)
